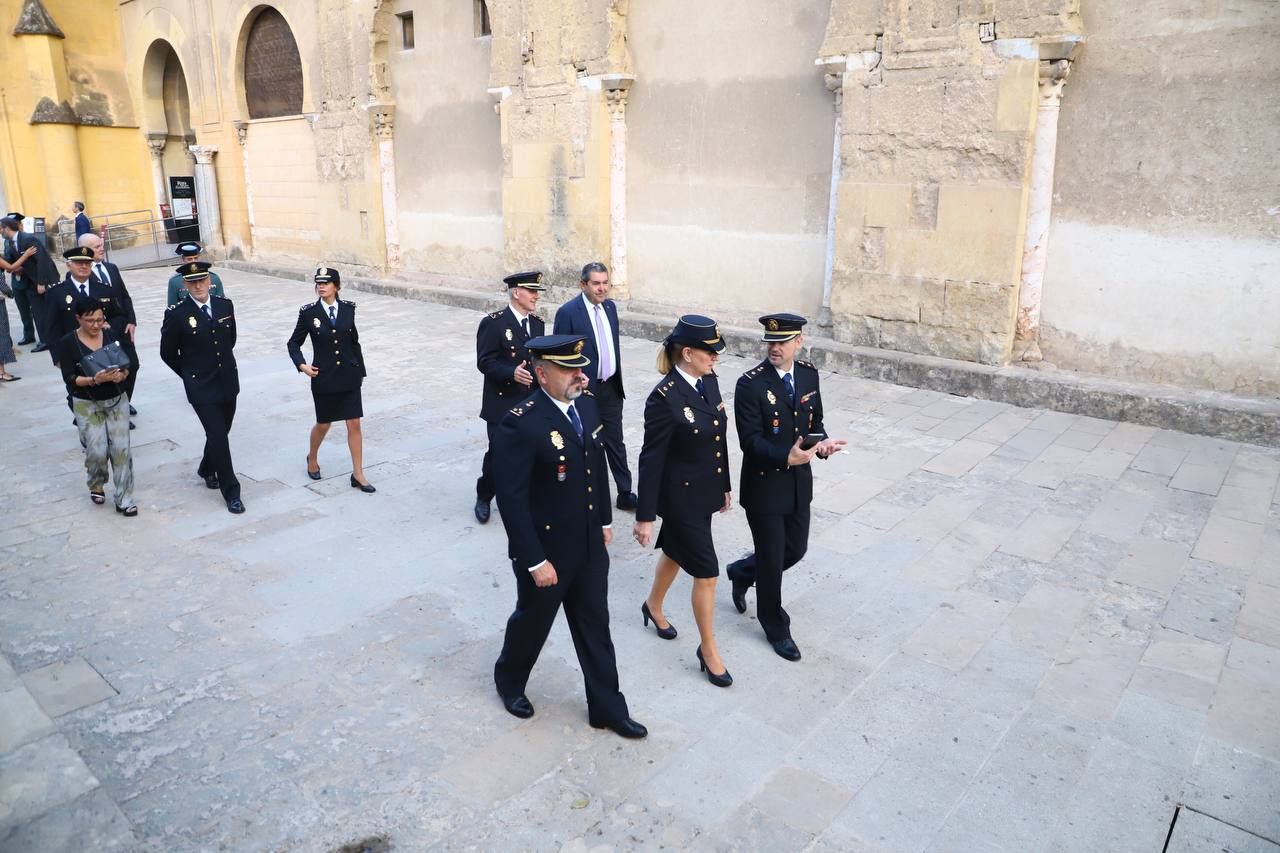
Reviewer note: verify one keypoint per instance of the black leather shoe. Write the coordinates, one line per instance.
(482, 511)
(518, 706)
(211, 482)
(627, 501)
(132, 410)
(738, 592)
(724, 679)
(667, 633)
(367, 488)
(25, 341)
(787, 649)
(132, 425)
(40, 347)
(627, 728)
(235, 505)
(315, 475)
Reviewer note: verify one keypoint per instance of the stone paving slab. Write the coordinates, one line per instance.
(1022, 630)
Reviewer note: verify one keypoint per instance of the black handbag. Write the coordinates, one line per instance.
(107, 357)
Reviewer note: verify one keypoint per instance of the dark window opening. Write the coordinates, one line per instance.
(272, 68)
(483, 27)
(406, 30)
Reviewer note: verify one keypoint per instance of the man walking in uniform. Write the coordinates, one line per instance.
(554, 499)
(124, 321)
(776, 407)
(38, 274)
(197, 342)
(595, 316)
(501, 357)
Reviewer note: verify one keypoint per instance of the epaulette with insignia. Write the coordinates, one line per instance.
(755, 371)
(663, 389)
(496, 314)
(305, 307)
(807, 364)
(347, 302)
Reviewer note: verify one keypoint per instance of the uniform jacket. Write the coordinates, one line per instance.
(178, 288)
(684, 463)
(38, 269)
(200, 351)
(127, 316)
(552, 489)
(499, 350)
(768, 426)
(573, 318)
(335, 350)
(60, 302)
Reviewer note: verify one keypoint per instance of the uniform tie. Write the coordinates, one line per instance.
(101, 274)
(701, 392)
(333, 315)
(606, 363)
(791, 388)
(524, 327)
(84, 288)
(207, 313)
(573, 419)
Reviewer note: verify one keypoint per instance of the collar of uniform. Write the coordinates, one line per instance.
(200, 305)
(693, 382)
(515, 311)
(563, 407)
(324, 306)
(782, 373)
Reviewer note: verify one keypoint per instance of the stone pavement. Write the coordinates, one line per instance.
(1023, 630)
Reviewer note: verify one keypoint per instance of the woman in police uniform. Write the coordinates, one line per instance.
(336, 371)
(684, 477)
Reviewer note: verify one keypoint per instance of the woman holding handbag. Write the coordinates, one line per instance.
(94, 367)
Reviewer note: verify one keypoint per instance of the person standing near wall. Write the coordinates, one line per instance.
(83, 225)
(38, 273)
(595, 316)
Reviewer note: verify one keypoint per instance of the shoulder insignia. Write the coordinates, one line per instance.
(755, 371)
(523, 407)
(495, 315)
(347, 302)
(305, 307)
(807, 364)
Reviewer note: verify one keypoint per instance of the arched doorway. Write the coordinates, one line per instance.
(167, 122)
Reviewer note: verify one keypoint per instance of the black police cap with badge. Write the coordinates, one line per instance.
(531, 280)
(186, 250)
(195, 270)
(326, 275)
(79, 253)
(694, 330)
(781, 327)
(564, 350)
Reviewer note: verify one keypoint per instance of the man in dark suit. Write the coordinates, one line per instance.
(554, 498)
(776, 405)
(83, 225)
(124, 322)
(197, 342)
(38, 274)
(501, 357)
(595, 316)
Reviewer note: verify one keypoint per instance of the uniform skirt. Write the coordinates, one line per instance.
(688, 543)
(340, 406)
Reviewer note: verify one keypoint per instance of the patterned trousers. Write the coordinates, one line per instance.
(104, 431)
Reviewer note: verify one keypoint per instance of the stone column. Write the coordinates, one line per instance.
(615, 88)
(207, 195)
(242, 136)
(834, 79)
(156, 142)
(1053, 76)
(384, 128)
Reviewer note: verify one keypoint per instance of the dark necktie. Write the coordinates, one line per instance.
(333, 315)
(208, 315)
(84, 288)
(701, 393)
(101, 274)
(524, 325)
(791, 388)
(573, 418)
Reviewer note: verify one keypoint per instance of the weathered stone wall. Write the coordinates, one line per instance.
(1164, 256)
(729, 156)
(449, 184)
(937, 133)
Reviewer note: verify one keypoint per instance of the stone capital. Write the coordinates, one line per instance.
(156, 142)
(203, 153)
(242, 132)
(1053, 76)
(384, 120)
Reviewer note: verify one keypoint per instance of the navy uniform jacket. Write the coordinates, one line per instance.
(684, 464)
(573, 318)
(768, 427)
(499, 350)
(38, 269)
(127, 316)
(553, 491)
(200, 351)
(116, 304)
(335, 350)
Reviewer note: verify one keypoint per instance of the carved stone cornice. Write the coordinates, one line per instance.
(1053, 77)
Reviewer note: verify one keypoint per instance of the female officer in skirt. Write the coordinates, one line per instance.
(684, 477)
(336, 371)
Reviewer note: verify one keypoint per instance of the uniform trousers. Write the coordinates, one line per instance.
(22, 299)
(216, 418)
(609, 401)
(37, 313)
(780, 542)
(485, 489)
(584, 592)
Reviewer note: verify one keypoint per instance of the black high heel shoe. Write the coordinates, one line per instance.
(724, 679)
(667, 633)
(367, 488)
(315, 475)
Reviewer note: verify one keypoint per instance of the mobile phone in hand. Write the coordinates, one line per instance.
(810, 440)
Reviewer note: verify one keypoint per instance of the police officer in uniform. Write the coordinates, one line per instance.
(554, 498)
(190, 253)
(197, 342)
(38, 274)
(502, 358)
(776, 406)
(336, 371)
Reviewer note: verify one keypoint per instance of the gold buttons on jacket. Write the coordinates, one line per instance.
(715, 423)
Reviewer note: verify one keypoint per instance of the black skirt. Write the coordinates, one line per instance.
(341, 406)
(689, 544)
